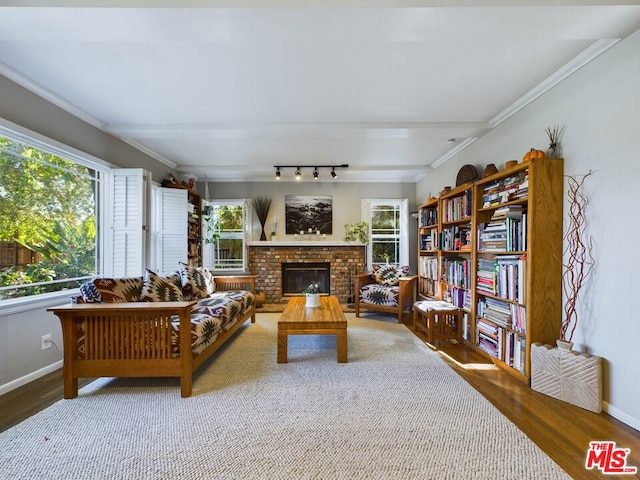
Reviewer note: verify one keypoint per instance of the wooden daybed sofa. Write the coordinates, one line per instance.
(140, 326)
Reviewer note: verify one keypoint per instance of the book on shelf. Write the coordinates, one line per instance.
(503, 276)
(456, 238)
(456, 296)
(457, 208)
(456, 271)
(512, 187)
(428, 217)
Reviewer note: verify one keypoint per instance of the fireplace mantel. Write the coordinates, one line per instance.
(304, 243)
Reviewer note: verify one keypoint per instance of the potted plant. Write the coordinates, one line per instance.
(560, 372)
(312, 293)
(210, 219)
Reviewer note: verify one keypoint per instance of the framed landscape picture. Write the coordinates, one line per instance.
(308, 214)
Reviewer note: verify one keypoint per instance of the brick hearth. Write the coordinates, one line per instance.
(266, 262)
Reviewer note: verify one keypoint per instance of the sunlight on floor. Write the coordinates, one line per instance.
(467, 366)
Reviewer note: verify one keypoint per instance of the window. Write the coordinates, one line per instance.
(224, 227)
(388, 231)
(48, 218)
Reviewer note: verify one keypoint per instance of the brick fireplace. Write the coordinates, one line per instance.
(344, 259)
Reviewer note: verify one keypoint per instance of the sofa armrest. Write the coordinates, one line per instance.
(239, 282)
(407, 289)
(361, 280)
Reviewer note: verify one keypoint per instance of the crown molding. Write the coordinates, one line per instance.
(554, 79)
(49, 96)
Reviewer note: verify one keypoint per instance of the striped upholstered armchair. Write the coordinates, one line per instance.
(386, 289)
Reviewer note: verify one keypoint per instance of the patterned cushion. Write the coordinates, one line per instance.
(389, 275)
(119, 290)
(375, 294)
(194, 282)
(156, 288)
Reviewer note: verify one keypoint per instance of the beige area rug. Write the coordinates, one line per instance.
(395, 411)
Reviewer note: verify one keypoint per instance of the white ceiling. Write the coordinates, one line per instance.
(228, 89)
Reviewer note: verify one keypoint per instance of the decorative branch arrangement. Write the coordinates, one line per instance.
(262, 205)
(579, 260)
(554, 135)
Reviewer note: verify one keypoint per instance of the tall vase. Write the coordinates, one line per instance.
(263, 236)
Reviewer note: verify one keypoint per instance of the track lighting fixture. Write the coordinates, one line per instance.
(316, 170)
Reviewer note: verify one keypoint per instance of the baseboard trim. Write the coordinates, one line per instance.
(19, 382)
(622, 416)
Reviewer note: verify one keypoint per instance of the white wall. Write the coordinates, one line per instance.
(347, 205)
(600, 106)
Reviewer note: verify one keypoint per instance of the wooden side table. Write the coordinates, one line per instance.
(439, 320)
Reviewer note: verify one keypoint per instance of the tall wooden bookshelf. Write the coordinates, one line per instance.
(428, 244)
(194, 222)
(512, 292)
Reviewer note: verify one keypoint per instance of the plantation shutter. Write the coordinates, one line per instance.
(207, 247)
(125, 252)
(172, 229)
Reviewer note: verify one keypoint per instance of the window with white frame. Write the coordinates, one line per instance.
(388, 221)
(224, 234)
(49, 217)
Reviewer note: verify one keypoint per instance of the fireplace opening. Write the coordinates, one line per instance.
(296, 277)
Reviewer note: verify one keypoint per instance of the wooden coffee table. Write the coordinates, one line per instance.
(328, 319)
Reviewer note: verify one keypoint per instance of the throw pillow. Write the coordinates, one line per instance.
(208, 278)
(389, 275)
(89, 293)
(156, 288)
(194, 283)
(119, 290)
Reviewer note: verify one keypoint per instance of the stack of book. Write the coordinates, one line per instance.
(429, 241)
(495, 310)
(505, 232)
(486, 276)
(490, 338)
(513, 187)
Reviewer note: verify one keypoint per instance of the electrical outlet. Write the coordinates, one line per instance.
(45, 341)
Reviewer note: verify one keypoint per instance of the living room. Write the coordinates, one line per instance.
(598, 104)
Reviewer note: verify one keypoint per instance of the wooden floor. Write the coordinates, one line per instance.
(561, 430)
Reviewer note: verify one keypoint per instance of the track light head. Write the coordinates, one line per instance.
(316, 170)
